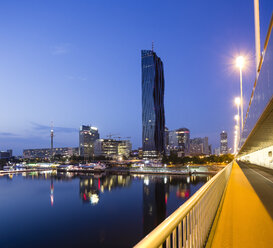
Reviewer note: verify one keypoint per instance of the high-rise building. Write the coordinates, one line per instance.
(217, 151)
(179, 140)
(183, 139)
(199, 146)
(166, 140)
(153, 115)
(206, 145)
(87, 137)
(223, 143)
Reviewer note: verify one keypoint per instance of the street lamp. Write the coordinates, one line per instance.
(240, 61)
(235, 141)
(237, 118)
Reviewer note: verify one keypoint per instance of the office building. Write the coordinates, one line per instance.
(124, 148)
(179, 140)
(223, 143)
(49, 152)
(87, 137)
(166, 140)
(199, 146)
(6, 155)
(110, 148)
(153, 115)
(217, 151)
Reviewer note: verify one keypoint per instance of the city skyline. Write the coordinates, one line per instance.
(54, 70)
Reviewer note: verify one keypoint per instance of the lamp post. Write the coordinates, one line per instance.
(235, 141)
(237, 118)
(237, 133)
(240, 64)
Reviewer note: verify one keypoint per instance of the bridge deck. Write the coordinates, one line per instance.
(244, 220)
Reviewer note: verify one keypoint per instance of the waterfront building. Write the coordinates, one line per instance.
(47, 152)
(6, 155)
(153, 115)
(140, 152)
(223, 143)
(87, 137)
(110, 148)
(199, 146)
(124, 148)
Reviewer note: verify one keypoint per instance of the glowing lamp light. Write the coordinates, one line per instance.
(237, 101)
(236, 117)
(240, 61)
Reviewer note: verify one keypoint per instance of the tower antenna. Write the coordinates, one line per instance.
(152, 46)
(51, 136)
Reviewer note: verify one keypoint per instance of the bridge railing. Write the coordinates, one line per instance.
(190, 224)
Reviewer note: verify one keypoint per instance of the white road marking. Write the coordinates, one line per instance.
(260, 175)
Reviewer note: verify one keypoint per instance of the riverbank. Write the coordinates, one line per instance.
(3, 172)
(175, 170)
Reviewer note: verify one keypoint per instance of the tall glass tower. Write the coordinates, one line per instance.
(87, 137)
(153, 115)
(223, 143)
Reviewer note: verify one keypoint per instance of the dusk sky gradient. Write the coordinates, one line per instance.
(79, 62)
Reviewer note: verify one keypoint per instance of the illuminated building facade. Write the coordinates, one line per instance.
(179, 140)
(199, 146)
(124, 148)
(153, 115)
(47, 152)
(87, 137)
(111, 148)
(6, 155)
(223, 143)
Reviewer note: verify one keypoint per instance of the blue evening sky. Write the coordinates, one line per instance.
(78, 62)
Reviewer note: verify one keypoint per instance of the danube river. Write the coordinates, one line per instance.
(67, 210)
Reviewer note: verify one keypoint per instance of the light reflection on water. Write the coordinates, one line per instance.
(54, 209)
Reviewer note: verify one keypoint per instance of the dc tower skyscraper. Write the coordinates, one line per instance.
(153, 115)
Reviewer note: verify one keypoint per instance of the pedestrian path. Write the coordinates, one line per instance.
(243, 219)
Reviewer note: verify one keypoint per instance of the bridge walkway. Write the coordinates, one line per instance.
(245, 217)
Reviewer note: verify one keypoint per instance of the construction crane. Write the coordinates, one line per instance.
(110, 135)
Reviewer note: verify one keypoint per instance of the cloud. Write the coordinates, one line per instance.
(61, 49)
(44, 128)
(8, 134)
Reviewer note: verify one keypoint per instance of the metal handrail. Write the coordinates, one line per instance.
(190, 224)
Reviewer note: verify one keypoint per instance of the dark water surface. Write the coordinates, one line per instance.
(67, 210)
